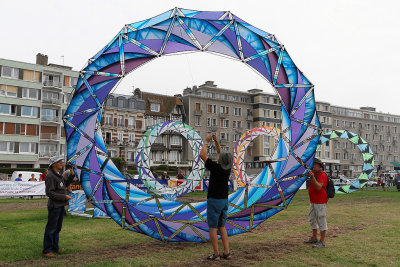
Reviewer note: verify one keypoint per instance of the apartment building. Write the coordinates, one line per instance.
(226, 112)
(380, 130)
(33, 98)
(123, 125)
(167, 148)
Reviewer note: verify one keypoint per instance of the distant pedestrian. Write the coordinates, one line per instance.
(397, 179)
(32, 179)
(19, 178)
(165, 176)
(56, 190)
(180, 175)
(318, 200)
(43, 175)
(383, 182)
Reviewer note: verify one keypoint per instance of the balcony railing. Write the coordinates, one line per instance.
(50, 119)
(52, 136)
(49, 83)
(48, 154)
(51, 101)
(198, 112)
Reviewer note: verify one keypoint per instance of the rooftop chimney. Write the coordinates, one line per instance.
(42, 59)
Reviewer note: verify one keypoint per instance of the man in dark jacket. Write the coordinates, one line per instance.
(217, 196)
(56, 190)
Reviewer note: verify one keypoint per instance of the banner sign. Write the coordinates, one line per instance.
(8, 188)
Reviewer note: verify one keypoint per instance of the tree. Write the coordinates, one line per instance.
(119, 163)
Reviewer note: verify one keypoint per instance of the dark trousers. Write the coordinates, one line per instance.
(53, 228)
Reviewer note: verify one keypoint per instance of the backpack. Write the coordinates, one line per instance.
(330, 187)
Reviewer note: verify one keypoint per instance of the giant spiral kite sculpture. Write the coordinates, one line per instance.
(176, 31)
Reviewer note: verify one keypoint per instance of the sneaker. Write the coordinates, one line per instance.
(319, 244)
(311, 241)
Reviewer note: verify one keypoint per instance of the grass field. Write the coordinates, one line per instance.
(364, 230)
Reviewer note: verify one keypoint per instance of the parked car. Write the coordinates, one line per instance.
(372, 183)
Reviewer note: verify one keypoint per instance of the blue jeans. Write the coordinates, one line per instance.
(53, 228)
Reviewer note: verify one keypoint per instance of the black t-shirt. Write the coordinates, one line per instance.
(218, 185)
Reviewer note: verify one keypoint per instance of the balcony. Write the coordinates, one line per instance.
(158, 146)
(47, 154)
(51, 119)
(175, 147)
(51, 101)
(249, 117)
(49, 83)
(49, 136)
(198, 112)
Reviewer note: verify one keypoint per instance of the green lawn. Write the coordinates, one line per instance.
(363, 231)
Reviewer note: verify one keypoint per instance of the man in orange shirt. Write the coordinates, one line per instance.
(318, 199)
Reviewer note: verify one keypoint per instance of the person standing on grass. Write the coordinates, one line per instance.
(318, 199)
(19, 178)
(56, 190)
(217, 196)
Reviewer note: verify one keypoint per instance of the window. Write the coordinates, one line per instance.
(265, 99)
(6, 147)
(120, 120)
(30, 75)
(337, 155)
(266, 150)
(9, 72)
(222, 109)
(214, 122)
(28, 148)
(266, 113)
(276, 101)
(248, 125)
(109, 119)
(30, 93)
(109, 101)
(5, 109)
(237, 111)
(120, 102)
(155, 107)
(208, 122)
(176, 140)
(197, 107)
(225, 124)
(173, 156)
(244, 99)
(29, 111)
(49, 115)
(197, 120)
(233, 98)
(276, 114)
(220, 96)
(8, 90)
(236, 137)
(208, 94)
(120, 136)
(108, 138)
(131, 122)
(131, 138)
(51, 97)
(212, 109)
(52, 80)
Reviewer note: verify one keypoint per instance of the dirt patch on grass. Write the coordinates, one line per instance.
(23, 206)
(250, 253)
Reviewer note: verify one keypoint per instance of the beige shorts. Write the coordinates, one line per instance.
(317, 217)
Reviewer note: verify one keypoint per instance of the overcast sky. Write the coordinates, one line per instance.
(347, 48)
